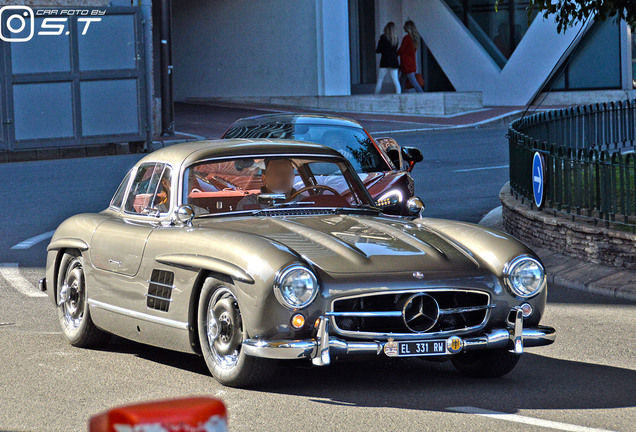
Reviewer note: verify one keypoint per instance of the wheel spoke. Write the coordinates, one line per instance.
(224, 330)
(71, 297)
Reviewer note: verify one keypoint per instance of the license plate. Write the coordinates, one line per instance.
(421, 348)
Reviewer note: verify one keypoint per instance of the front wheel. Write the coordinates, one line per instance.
(485, 364)
(72, 304)
(221, 334)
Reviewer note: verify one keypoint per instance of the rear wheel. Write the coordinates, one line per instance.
(72, 304)
(221, 334)
(485, 364)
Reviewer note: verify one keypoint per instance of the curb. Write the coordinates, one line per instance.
(501, 119)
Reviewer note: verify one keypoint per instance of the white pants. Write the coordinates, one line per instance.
(394, 77)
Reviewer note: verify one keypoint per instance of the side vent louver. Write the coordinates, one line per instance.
(160, 289)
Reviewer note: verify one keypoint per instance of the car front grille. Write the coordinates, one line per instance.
(380, 315)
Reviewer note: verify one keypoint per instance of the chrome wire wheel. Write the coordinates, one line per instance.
(224, 328)
(72, 294)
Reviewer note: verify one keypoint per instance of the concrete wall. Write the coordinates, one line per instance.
(260, 48)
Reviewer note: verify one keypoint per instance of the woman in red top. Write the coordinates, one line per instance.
(410, 44)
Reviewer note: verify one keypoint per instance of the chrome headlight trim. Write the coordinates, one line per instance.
(514, 265)
(279, 281)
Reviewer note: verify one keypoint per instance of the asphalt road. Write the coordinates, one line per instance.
(586, 381)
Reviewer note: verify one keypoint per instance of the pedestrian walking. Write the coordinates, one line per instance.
(387, 48)
(410, 44)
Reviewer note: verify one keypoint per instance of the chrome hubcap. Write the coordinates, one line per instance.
(71, 297)
(224, 328)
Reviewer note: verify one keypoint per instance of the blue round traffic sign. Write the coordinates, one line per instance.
(538, 179)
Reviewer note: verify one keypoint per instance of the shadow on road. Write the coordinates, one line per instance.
(537, 383)
(562, 295)
(423, 385)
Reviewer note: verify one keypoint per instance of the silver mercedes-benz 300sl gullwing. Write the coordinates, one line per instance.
(250, 251)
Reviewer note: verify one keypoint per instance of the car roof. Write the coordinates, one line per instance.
(191, 152)
(295, 118)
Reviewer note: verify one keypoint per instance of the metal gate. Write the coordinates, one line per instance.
(77, 86)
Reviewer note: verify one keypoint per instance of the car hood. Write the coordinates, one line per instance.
(356, 244)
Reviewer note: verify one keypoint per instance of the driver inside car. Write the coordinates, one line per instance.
(278, 178)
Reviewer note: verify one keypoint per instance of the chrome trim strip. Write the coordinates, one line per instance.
(161, 284)
(378, 314)
(158, 297)
(365, 314)
(458, 310)
(139, 315)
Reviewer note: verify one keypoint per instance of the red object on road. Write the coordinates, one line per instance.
(197, 414)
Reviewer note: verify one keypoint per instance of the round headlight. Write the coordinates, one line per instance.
(295, 286)
(524, 276)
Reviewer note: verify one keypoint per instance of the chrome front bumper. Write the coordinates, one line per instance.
(321, 348)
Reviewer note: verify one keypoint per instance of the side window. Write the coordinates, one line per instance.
(150, 190)
(118, 198)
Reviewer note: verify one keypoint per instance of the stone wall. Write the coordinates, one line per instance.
(560, 234)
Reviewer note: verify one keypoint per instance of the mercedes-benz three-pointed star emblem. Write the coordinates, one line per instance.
(420, 312)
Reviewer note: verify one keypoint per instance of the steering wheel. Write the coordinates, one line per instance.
(306, 188)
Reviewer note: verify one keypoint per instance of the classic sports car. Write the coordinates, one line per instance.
(381, 163)
(246, 251)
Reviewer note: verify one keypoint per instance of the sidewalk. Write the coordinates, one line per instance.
(501, 115)
(576, 274)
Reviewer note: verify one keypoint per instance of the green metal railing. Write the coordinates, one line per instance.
(590, 166)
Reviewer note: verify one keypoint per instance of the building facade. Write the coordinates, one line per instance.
(244, 48)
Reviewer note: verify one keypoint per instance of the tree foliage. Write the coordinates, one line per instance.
(568, 13)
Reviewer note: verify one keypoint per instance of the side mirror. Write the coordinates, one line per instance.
(415, 206)
(271, 198)
(184, 215)
(412, 155)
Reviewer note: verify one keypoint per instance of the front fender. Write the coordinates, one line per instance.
(74, 233)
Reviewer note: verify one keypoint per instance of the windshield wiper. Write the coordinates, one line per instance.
(359, 208)
(285, 205)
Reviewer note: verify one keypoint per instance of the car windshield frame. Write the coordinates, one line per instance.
(350, 175)
(290, 127)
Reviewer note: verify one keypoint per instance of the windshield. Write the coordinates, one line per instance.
(252, 184)
(353, 143)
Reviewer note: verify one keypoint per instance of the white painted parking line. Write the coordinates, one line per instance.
(525, 420)
(199, 137)
(482, 168)
(33, 240)
(11, 273)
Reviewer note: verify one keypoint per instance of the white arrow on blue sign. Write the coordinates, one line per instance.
(538, 179)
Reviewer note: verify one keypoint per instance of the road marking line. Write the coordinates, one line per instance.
(33, 240)
(199, 137)
(12, 275)
(482, 168)
(525, 420)
(424, 129)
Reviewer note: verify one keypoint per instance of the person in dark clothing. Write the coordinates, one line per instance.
(410, 44)
(387, 47)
